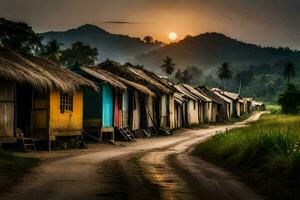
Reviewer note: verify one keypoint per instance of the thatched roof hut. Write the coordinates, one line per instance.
(210, 94)
(114, 80)
(185, 92)
(197, 93)
(41, 73)
(134, 74)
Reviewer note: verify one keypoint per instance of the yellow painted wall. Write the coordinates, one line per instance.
(68, 123)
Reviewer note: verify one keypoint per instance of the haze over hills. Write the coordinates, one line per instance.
(258, 69)
(209, 50)
(206, 51)
(113, 46)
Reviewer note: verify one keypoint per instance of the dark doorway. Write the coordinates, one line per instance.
(24, 107)
(143, 118)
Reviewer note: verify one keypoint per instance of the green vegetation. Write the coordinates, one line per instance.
(266, 154)
(168, 66)
(11, 165)
(224, 73)
(274, 108)
(290, 100)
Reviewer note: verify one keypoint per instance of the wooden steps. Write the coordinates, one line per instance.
(28, 144)
(126, 133)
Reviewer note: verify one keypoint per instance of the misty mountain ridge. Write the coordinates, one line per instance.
(209, 50)
(206, 51)
(112, 46)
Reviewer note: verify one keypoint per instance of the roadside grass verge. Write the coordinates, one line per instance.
(12, 165)
(274, 108)
(266, 155)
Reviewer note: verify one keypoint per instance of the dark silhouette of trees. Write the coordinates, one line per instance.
(79, 54)
(191, 75)
(224, 73)
(19, 36)
(148, 39)
(290, 100)
(289, 72)
(52, 51)
(168, 66)
(178, 75)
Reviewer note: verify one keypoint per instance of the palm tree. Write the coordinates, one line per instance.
(168, 67)
(52, 51)
(224, 73)
(289, 72)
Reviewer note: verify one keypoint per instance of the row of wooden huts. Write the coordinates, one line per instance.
(42, 100)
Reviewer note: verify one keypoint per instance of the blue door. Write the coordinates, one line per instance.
(107, 105)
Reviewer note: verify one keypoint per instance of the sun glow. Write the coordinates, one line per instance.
(173, 36)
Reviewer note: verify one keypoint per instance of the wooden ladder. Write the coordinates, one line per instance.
(126, 133)
(28, 144)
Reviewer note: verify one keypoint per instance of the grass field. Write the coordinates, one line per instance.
(266, 155)
(11, 165)
(274, 108)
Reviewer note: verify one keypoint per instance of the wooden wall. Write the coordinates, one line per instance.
(7, 100)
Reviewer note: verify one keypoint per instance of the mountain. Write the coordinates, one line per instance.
(120, 48)
(209, 50)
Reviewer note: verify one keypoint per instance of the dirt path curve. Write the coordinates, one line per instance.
(159, 168)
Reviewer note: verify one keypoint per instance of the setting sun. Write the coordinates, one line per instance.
(173, 36)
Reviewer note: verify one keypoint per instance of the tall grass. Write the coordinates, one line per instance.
(274, 108)
(267, 154)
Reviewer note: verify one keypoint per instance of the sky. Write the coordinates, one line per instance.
(264, 22)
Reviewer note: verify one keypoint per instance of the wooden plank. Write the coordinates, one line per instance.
(7, 108)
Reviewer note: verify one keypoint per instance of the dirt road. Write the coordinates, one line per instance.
(159, 168)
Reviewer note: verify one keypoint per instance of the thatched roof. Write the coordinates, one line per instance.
(196, 92)
(104, 76)
(130, 73)
(187, 94)
(137, 86)
(231, 95)
(215, 98)
(248, 99)
(222, 96)
(115, 81)
(179, 98)
(255, 103)
(150, 77)
(41, 73)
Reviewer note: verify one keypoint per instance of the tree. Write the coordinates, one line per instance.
(290, 100)
(186, 76)
(224, 73)
(79, 54)
(178, 75)
(148, 39)
(52, 51)
(289, 72)
(168, 67)
(19, 36)
(195, 74)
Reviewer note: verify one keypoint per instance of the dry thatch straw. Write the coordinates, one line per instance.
(196, 92)
(103, 76)
(115, 81)
(139, 71)
(42, 74)
(132, 75)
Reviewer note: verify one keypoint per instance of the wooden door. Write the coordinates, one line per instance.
(40, 115)
(7, 107)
